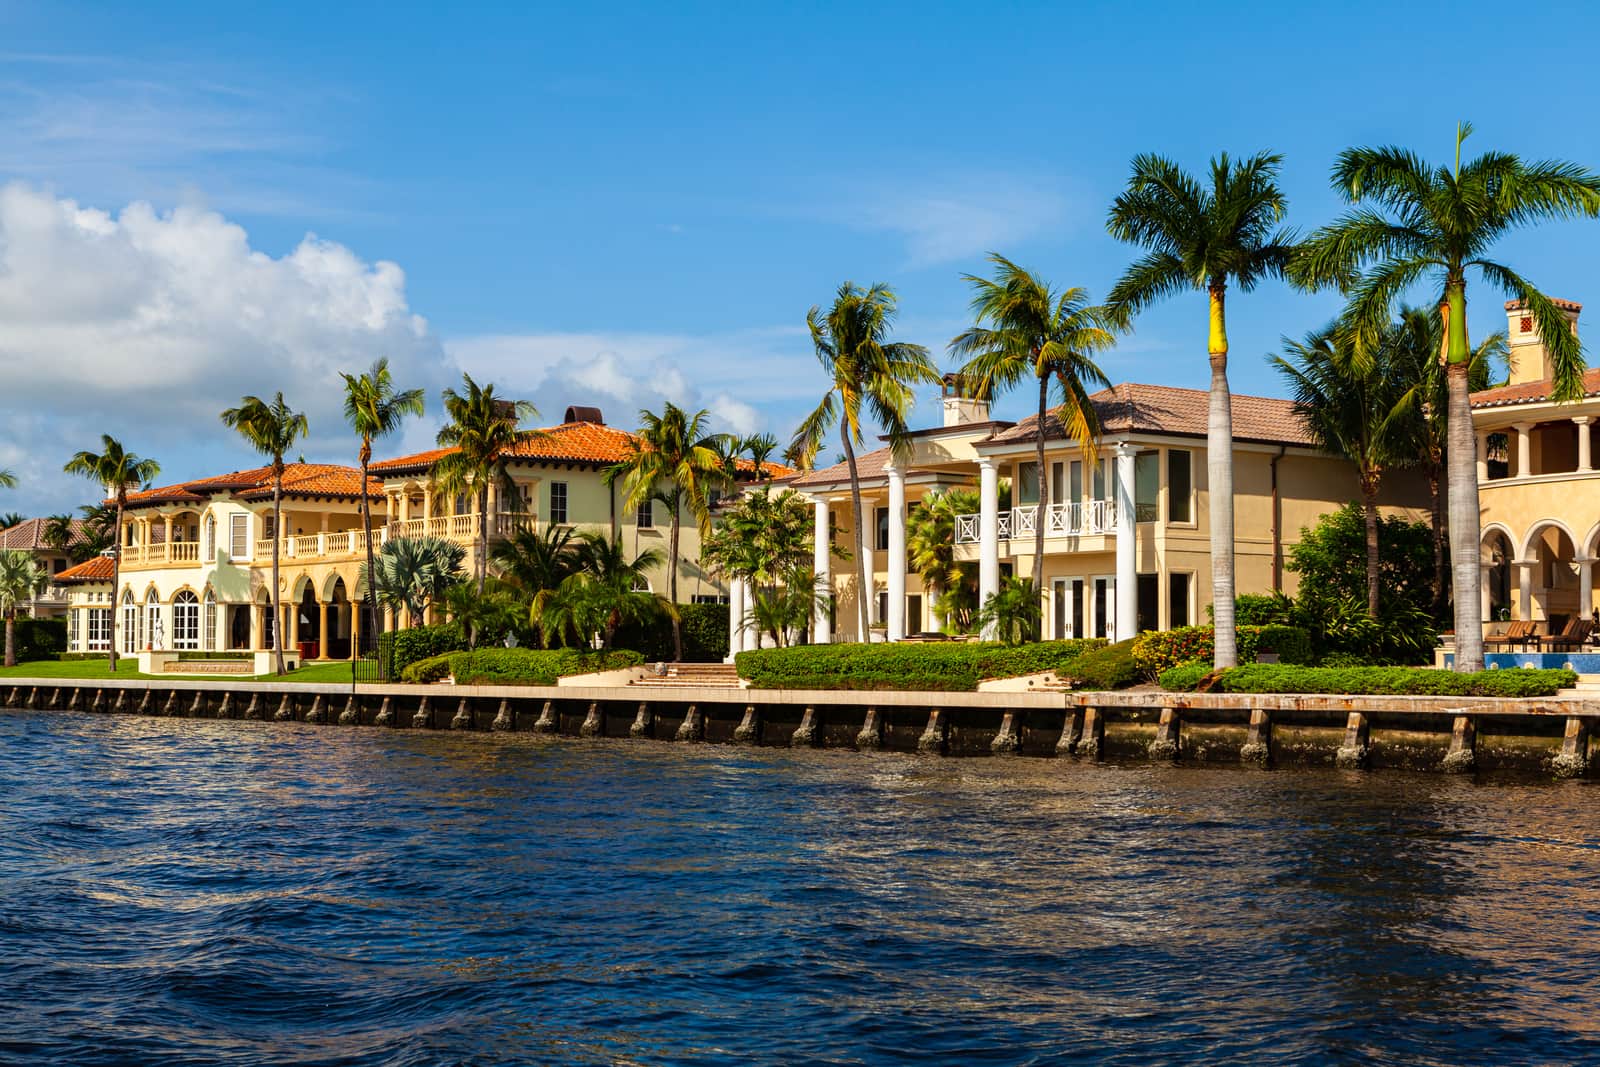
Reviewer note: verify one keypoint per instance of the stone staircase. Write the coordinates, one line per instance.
(1588, 685)
(695, 676)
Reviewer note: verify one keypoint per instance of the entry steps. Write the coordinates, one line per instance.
(694, 675)
(1587, 683)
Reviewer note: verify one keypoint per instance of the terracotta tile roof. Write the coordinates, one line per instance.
(97, 569)
(299, 479)
(868, 465)
(1570, 305)
(1134, 408)
(28, 535)
(1531, 392)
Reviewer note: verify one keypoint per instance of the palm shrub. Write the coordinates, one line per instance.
(765, 540)
(1013, 613)
(931, 546)
(534, 565)
(1205, 236)
(20, 578)
(1411, 223)
(412, 573)
(608, 591)
(115, 468)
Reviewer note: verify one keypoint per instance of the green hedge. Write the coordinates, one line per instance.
(1110, 667)
(401, 648)
(188, 657)
(934, 667)
(705, 635)
(427, 671)
(1398, 681)
(40, 638)
(1155, 651)
(1183, 678)
(532, 666)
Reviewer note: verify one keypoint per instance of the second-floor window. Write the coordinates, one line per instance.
(881, 541)
(646, 519)
(1180, 485)
(1147, 486)
(239, 536)
(558, 502)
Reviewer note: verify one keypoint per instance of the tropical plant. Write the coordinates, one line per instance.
(609, 591)
(931, 546)
(272, 430)
(535, 564)
(1413, 223)
(58, 533)
(1205, 237)
(1414, 343)
(1027, 332)
(412, 573)
(10, 519)
(787, 606)
(114, 468)
(673, 458)
(1356, 408)
(760, 448)
(765, 540)
(1013, 613)
(729, 447)
(481, 428)
(864, 370)
(21, 578)
(488, 616)
(375, 410)
(8, 480)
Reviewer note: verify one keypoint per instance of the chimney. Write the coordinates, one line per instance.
(963, 405)
(579, 413)
(1530, 362)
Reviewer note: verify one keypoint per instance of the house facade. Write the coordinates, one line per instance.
(196, 556)
(1127, 534)
(29, 536)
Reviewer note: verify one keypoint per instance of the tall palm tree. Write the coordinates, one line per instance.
(58, 532)
(272, 430)
(1415, 342)
(21, 578)
(864, 370)
(1415, 223)
(482, 427)
(1356, 408)
(536, 564)
(412, 572)
(1034, 333)
(114, 468)
(760, 446)
(674, 451)
(375, 410)
(1205, 237)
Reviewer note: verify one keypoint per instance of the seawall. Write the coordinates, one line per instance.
(1449, 734)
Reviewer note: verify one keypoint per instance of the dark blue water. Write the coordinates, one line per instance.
(183, 892)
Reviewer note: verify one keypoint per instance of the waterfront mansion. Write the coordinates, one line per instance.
(197, 555)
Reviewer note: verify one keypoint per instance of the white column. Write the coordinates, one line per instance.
(753, 636)
(1584, 466)
(988, 535)
(1585, 585)
(896, 564)
(1483, 458)
(735, 617)
(1127, 617)
(869, 537)
(1485, 570)
(1524, 588)
(1524, 460)
(821, 563)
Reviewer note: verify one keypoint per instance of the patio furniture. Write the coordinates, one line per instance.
(1516, 635)
(1572, 637)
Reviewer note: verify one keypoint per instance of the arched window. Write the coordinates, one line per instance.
(208, 548)
(186, 622)
(132, 631)
(155, 636)
(211, 621)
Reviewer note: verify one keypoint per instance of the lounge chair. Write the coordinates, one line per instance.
(1516, 635)
(1572, 637)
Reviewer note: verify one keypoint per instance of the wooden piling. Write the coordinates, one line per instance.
(1463, 755)
(225, 708)
(351, 715)
(99, 702)
(1007, 740)
(319, 710)
(253, 710)
(1353, 753)
(935, 739)
(644, 722)
(505, 719)
(197, 707)
(171, 706)
(870, 739)
(75, 701)
(385, 716)
(547, 722)
(693, 727)
(285, 712)
(423, 719)
(463, 716)
(594, 723)
(1258, 743)
(146, 703)
(748, 732)
(805, 735)
(1573, 759)
(1165, 746)
(1092, 741)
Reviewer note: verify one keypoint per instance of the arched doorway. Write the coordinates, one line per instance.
(308, 621)
(1498, 579)
(1549, 581)
(339, 616)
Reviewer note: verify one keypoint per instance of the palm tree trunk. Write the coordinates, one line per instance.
(672, 588)
(1436, 521)
(483, 537)
(11, 636)
(1462, 490)
(277, 544)
(1219, 474)
(376, 622)
(1369, 510)
(1044, 491)
(863, 590)
(116, 583)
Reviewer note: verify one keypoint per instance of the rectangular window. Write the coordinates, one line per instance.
(239, 537)
(269, 527)
(1075, 480)
(1099, 482)
(708, 598)
(646, 519)
(1146, 486)
(914, 614)
(881, 544)
(1177, 600)
(1077, 607)
(1149, 590)
(1058, 483)
(99, 629)
(1180, 485)
(1027, 483)
(1102, 607)
(883, 609)
(558, 503)
(73, 639)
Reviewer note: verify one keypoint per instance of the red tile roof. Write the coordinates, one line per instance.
(97, 569)
(1570, 305)
(28, 535)
(1531, 392)
(1166, 409)
(299, 479)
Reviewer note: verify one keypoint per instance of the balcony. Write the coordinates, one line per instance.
(167, 552)
(1077, 519)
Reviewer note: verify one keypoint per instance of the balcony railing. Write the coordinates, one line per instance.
(1061, 520)
(341, 544)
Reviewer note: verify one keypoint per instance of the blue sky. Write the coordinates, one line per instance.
(631, 202)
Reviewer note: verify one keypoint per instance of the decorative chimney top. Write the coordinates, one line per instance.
(965, 400)
(1530, 361)
(578, 413)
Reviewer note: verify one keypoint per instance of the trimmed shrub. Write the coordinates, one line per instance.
(934, 667)
(189, 657)
(401, 648)
(1155, 651)
(532, 666)
(427, 671)
(41, 638)
(1184, 678)
(1398, 681)
(1111, 667)
(705, 635)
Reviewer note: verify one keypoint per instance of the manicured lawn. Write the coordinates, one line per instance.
(96, 670)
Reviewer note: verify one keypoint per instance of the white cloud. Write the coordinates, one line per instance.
(146, 324)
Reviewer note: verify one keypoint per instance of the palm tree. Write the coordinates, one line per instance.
(931, 544)
(760, 446)
(58, 533)
(1205, 237)
(1035, 333)
(1431, 225)
(1014, 612)
(537, 563)
(272, 430)
(8, 480)
(482, 427)
(10, 519)
(864, 369)
(21, 578)
(115, 469)
(609, 591)
(374, 410)
(411, 573)
(674, 450)
(1356, 408)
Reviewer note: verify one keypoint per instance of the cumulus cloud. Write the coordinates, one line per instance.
(145, 324)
